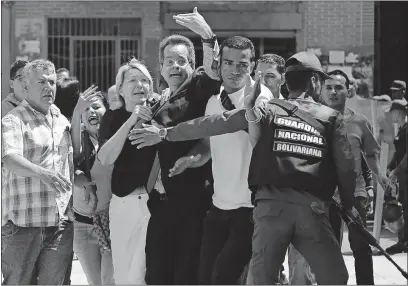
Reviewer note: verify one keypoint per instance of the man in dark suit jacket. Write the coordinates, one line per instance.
(175, 228)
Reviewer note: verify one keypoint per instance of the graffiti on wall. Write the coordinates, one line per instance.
(28, 38)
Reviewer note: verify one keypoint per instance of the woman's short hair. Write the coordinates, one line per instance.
(132, 64)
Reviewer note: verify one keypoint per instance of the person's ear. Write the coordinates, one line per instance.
(11, 83)
(120, 90)
(161, 68)
(314, 80)
(25, 87)
(351, 92)
(251, 67)
(282, 81)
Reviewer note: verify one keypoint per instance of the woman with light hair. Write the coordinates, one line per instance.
(128, 212)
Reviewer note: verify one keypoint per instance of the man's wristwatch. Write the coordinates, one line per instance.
(211, 40)
(163, 133)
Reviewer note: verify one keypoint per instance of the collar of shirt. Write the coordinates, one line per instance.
(12, 98)
(53, 109)
(237, 96)
(303, 97)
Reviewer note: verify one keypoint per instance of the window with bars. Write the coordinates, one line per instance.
(93, 48)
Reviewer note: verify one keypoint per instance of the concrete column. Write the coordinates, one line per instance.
(301, 34)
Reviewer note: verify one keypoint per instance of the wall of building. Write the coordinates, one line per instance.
(339, 25)
(38, 11)
(328, 25)
(248, 18)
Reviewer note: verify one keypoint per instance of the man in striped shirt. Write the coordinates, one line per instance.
(37, 231)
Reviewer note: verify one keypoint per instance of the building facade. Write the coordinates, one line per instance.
(92, 39)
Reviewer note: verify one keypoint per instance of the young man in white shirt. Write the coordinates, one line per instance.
(226, 245)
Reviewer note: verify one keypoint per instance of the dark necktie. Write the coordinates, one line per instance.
(226, 101)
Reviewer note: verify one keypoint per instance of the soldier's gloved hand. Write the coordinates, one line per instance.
(353, 213)
(391, 192)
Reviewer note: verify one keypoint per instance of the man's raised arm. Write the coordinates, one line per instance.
(196, 23)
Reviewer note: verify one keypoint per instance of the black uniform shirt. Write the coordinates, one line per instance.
(342, 157)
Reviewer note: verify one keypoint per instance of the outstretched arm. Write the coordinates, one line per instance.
(196, 23)
(197, 157)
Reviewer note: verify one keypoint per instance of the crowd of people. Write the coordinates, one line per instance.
(211, 180)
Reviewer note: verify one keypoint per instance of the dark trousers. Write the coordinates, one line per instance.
(279, 223)
(173, 242)
(403, 199)
(226, 246)
(363, 260)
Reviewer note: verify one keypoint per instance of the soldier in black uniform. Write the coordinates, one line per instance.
(399, 113)
(301, 154)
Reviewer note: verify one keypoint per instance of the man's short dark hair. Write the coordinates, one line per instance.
(67, 95)
(274, 60)
(238, 43)
(299, 80)
(16, 66)
(61, 70)
(343, 74)
(178, 40)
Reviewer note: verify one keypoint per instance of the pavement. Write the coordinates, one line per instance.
(385, 273)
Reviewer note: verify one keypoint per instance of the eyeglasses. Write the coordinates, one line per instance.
(170, 62)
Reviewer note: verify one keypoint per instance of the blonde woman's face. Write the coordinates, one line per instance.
(135, 88)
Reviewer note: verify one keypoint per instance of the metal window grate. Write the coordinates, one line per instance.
(94, 27)
(93, 49)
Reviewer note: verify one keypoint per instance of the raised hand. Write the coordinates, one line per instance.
(195, 22)
(183, 163)
(86, 98)
(252, 92)
(141, 113)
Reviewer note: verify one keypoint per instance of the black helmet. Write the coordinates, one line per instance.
(393, 216)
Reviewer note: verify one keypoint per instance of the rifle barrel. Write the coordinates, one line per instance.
(366, 234)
